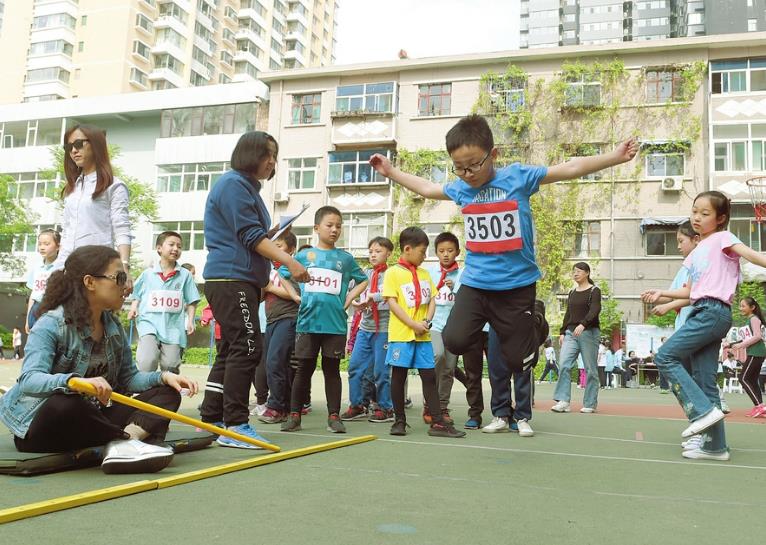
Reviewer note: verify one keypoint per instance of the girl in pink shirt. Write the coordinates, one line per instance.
(714, 274)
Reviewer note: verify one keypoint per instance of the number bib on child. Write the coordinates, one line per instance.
(445, 296)
(409, 294)
(492, 228)
(383, 305)
(164, 301)
(39, 282)
(275, 279)
(324, 281)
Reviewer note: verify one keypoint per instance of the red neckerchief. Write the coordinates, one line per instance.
(415, 281)
(168, 276)
(277, 264)
(444, 271)
(374, 289)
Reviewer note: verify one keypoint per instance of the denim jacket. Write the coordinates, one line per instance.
(57, 351)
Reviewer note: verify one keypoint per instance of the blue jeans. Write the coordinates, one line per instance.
(698, 340)
(500, 381)
(279, 342)
(370, 354)
(585, 345)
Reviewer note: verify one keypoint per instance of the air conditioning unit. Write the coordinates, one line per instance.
(672, 183)
(281, 197)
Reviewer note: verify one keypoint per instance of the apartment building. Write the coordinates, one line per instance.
(553, 23)
(329, 121)
(177, 141)
(57, 49)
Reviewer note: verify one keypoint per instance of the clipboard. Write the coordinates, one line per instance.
(286, 221)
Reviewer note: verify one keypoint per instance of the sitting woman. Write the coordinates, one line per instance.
(78, 335)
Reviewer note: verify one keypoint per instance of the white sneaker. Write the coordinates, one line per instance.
(525, 430)
(694, 442)
(134, 456)
(725, 407)
(499, 424)
(587, 410)
(703, 423)
(561, 407)
(258, 410)
(699, 454)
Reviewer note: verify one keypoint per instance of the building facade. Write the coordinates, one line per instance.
(552, 23)
(177, 141)
(57, 49)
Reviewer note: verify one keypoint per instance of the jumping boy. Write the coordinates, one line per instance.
(371, 342)
(446, 277)
(409, 290)
(164, 301)
(281, 303)
(322, 318)
(498, 280)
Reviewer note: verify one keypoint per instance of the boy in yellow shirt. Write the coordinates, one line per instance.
(408, 289)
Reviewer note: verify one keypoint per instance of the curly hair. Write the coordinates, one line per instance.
(65, 287)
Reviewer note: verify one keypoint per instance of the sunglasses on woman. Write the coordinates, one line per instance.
(120, 278)
(76, 144)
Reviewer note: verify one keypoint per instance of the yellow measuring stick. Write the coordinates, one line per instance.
(85, 387)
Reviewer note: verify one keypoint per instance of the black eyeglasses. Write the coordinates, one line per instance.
(473, 169)
(120, 278)
(76, 144)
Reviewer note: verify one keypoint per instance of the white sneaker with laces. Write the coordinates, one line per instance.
(699, 454)
(714, 416)
(561, 407)
(258, 409)
(587, 410)
(134, 456)
(694, 442)
(525, 430)
(499, 424)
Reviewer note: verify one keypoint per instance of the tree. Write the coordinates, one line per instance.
(610, 318)
(746, 289)
(143, 199)
(15, 220)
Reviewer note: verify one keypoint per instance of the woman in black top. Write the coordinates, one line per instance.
(579, 335)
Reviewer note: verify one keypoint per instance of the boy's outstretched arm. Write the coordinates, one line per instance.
(414, 183)
(582, 166)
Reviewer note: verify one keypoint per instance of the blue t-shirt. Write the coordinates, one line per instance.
(445, 297)
(681, 280)
(499, 229)
(324, 296)
(162, 304)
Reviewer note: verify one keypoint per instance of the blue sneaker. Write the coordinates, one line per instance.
(472, 424)
(242, 429)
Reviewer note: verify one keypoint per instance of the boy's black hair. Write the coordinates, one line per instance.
(326, 211)
(163, 236)
(472, 130)
(188, 266)
(251, 151)
(413, 236)
(304, 247)
(382, 241)
(289, 238)
(446, 236)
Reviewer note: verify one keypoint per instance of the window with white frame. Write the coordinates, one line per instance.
(141, 49)
(745, 228)
(306, 109)
(192, 233)
(353, 167)
(369, 97)
(28, 241)
(433, 230)
(139, 77)
(582, 90)
(224, 119)
(171, 9)
(54, 20)
(586, 240)
(434, 99)
(730, 146)
(584, 150)
(752, 25)
(50, 47)
(186, 177)
(659, 241)
(663, 86)
(31, 185)
(662, 160)
(738, 75)
(144, 23)
(301, 173)
(359, 229)
(507, 94)
(304, 236)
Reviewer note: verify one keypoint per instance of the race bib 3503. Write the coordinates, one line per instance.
(492, 228)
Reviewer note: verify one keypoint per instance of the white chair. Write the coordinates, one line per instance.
(731, 385)
(616, 380)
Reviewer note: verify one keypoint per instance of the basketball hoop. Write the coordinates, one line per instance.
(757, 187)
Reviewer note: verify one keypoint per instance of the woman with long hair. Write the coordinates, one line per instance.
(78, 335)
(754, 351)
(95, 202)
(579, 336)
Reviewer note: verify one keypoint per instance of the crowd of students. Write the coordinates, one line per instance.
(408, 317)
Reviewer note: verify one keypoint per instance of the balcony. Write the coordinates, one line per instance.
(204, 45)
(247, 34)
(250, 13)
(363, 128)
(246, 56)
(166, 46)
(201, 69)
(299, 17)
(168, 21)
(295, 55)
(166, 74)
(206, 22)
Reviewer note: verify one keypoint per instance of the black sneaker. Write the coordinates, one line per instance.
(335, 425)
(399, 428)
(293, 422)
(444, 430)
(380, 416)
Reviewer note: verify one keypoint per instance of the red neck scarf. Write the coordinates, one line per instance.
(168, 276)
(443, 276)
(375, 289)
(277, 264)
(415, 281)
